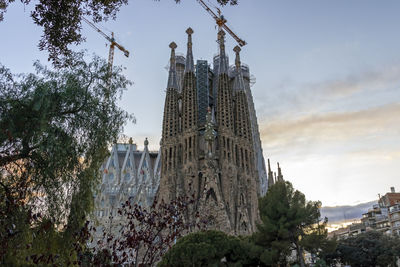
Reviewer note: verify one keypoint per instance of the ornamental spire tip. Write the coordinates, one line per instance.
(238, 83)
(173, 45)
(223, 64)
(189, 66)
(237, 50)
(172, 80)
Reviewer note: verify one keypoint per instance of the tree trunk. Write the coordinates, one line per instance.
(300, 258)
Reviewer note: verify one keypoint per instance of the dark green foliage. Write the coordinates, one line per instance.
(320, 263)
(211, 248)
(56, 128)
(289, 222)
(369, 249)
(327, 251)
(198, 249)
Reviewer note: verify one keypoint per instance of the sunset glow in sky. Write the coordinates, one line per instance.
(327, 94)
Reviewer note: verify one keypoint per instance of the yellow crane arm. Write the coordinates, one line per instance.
(240, 41)
(208, 9)
(120, 47)
(221, 22)
(110, 39)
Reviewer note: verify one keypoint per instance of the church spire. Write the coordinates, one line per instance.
(280, 176)
(172, 81)
(269, 166)
(223, 65)
(271, 180)
(189, 67)
(171, 109)
(238, 83)
(237, 49)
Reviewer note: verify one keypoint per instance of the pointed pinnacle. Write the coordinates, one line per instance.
(172, 83)
(237, 59)
(222, 58)
(237, 49)
(221, 34)
(189, 31)
(173, 45)
(189, 66)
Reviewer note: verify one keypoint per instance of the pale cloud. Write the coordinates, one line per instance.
(371, 154)
(368, 125)
(290, 98)
(336, 156)
(338, 179)
(366, 81)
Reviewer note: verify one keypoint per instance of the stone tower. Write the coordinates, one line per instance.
(208, 144)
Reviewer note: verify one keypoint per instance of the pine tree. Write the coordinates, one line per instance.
(289, 222)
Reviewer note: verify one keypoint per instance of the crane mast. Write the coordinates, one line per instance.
(113, 43)
(220, 20)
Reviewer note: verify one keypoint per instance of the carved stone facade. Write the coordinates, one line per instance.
(210, 146)
(127, 174)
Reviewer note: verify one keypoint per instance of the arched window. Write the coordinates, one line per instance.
(211, 193)
(243, 226)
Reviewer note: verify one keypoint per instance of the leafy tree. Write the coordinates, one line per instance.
(211, 248)
(143, 235)
(62, 22)
(369, 249)
(56, 127)
(327, 252)
(289, 222)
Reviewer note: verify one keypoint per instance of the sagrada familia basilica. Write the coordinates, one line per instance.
(210, 147)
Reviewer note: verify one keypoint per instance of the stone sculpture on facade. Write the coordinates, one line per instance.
(209, 133)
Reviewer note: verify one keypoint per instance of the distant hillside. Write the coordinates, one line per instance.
(345, 213)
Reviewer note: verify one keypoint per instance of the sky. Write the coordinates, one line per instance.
(327, 92)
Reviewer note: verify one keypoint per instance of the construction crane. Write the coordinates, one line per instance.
(113, 43)
(221, 22)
